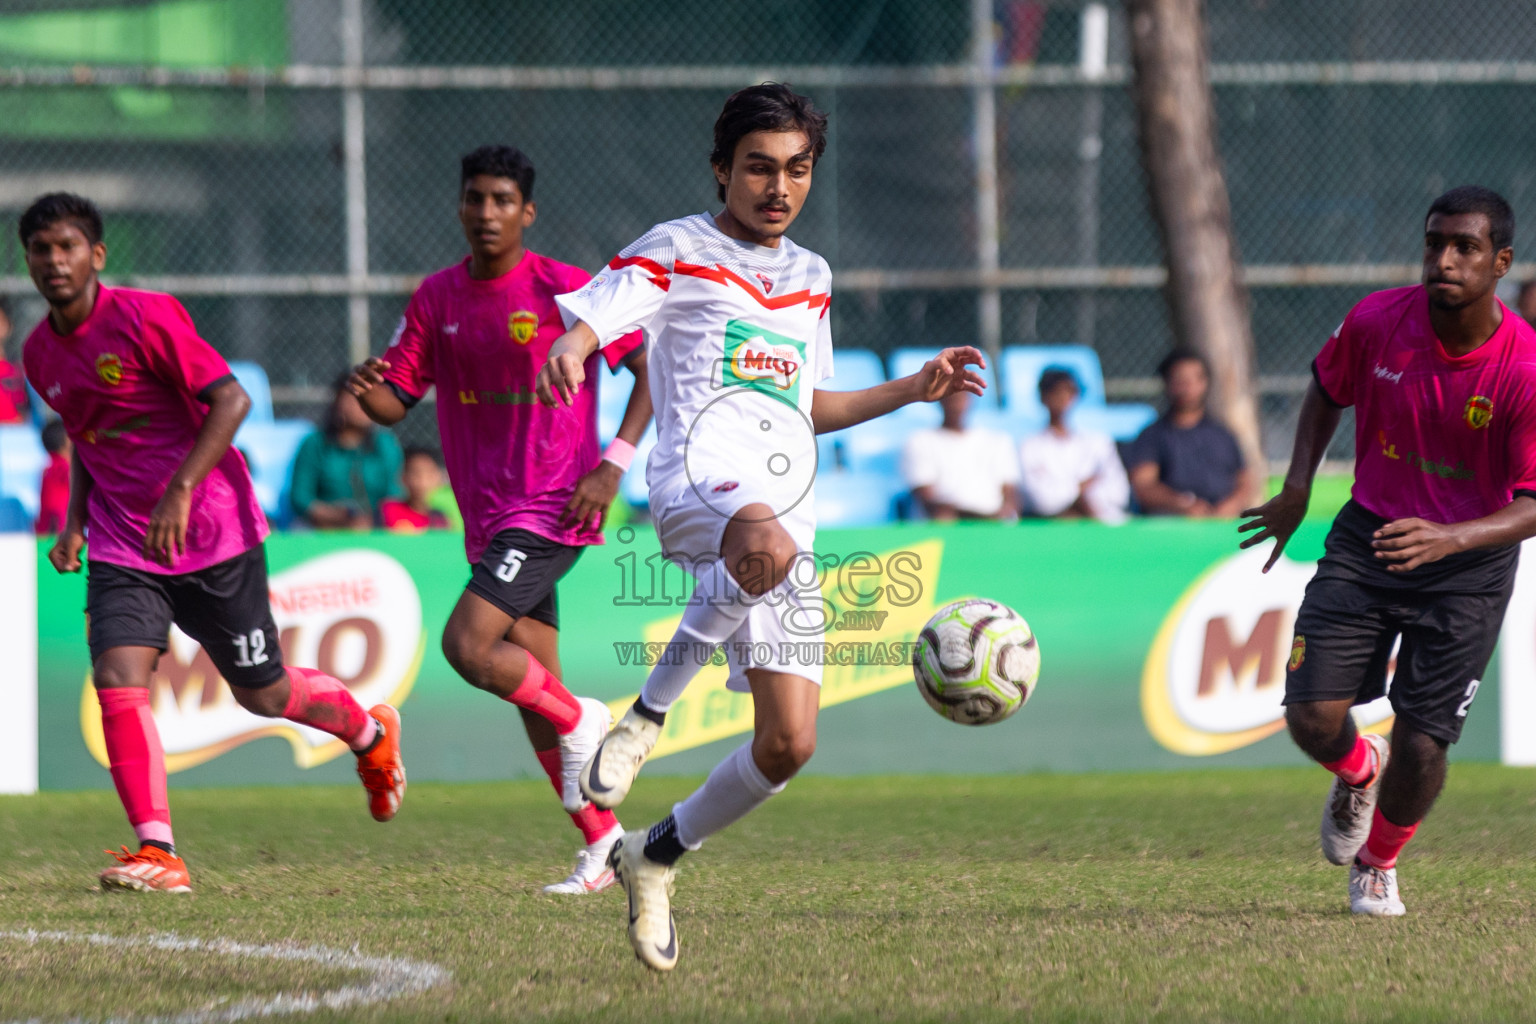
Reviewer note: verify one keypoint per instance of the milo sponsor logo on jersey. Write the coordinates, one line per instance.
(761, 359)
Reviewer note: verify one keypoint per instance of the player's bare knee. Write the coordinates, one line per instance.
(469, 658)
(764, 566)
(266, 701)
(1313, 726)
(780, 753)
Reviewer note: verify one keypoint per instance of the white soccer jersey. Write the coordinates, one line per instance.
(737, 338)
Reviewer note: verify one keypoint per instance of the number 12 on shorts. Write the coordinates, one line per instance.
(1461, 710)
(510, 564)
(253, 649)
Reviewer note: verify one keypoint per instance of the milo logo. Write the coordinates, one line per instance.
(761, 359)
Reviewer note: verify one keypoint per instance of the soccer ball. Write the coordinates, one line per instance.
(976, 662)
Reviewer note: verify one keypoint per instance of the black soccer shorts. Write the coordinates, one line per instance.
(224, 607)
(1448, 614)
(518, 573)
(1345, 633)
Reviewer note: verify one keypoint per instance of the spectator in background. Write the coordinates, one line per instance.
(53, 503)
(343, 472)
(1187, 463)
(421, 474)
(13, 385)
(957, 472)
(1066, 472)
(1525, 304)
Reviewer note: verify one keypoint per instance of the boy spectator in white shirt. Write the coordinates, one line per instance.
(1069, 473)
(957, 472)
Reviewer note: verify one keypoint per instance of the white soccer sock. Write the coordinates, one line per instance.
(734, 788)
(717, 608)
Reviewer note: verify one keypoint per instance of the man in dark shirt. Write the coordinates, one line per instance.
(1187, 463)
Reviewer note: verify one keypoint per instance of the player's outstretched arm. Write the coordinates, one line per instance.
(166, 538)
(1279, 516)
(1406, 544)
(596, 490)
(944, 374)
(376, 397)
(562, 375)
(65, 553)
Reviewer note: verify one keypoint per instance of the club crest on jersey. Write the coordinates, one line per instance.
(523, 325)
(767, 283)
(762, 359)
(109, 367)
(729, 485)
(1478, 413)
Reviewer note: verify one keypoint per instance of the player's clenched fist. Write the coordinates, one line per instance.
(560, 379)
(65, 553)
(367, 376)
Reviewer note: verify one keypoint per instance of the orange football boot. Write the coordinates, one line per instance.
(149, 870)
(381, 770)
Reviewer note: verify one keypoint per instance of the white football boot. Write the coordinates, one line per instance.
(608, 775)
(577, 746)
(1348, 809)
(592, 872)
(1373, 891)
(648, 884)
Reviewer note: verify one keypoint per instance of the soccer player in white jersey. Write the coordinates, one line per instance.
(734, 316)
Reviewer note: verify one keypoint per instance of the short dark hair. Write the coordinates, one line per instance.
(770, 107)
(1181, 355)
(499, 162)
(54, 436)
(1053, 377)
(54, 207)
(1476, 199)
(416, 451)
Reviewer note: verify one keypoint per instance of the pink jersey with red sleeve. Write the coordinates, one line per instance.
(512, 462)
(127, 384)
(1438, 437)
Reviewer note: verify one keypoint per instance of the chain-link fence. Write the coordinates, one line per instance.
(289, 168)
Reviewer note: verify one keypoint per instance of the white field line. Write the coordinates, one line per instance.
(391, 977)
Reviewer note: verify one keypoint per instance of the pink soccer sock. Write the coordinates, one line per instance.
(1385, 842)
(594, 823)
(1356, 766)
(322, 702)
(137, 761)
(543, 694)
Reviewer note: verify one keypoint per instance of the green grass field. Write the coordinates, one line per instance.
(1172, 897)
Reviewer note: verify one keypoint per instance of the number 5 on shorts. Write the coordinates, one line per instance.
(1461, 712)
(507, 570)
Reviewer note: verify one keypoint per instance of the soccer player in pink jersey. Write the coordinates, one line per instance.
(1443, 380)
(174, 530)
(530, 481)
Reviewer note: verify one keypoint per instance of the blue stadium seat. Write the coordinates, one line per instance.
(269, 450)
(612, 396)
(1023, 364)
(254, 379)
(22, 461)
(13, 517)
(854, 369)
(1121, 421)
(853, 498)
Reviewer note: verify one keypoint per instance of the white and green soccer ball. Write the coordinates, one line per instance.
(976, 661)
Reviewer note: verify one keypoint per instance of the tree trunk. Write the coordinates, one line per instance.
(1177, 126)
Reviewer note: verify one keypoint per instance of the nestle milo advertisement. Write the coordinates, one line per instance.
(1162, 646)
